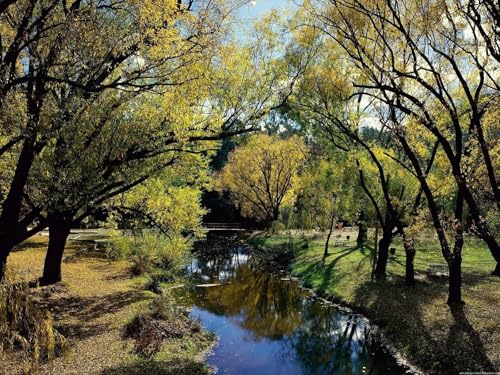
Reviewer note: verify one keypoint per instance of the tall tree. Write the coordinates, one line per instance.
(57, 54)
(119, 144)
(420, 60)
(437, 76)
(262, 175)
(179, 86)
(328, 193)
(323, 102)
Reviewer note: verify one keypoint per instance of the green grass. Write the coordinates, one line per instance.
(415, 320)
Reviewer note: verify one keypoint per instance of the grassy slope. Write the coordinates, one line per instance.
(415, 320)
(91, 308)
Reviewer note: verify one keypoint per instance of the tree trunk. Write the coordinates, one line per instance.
(59, 227)
(496, 272)
(490, 240)
(11, 206)
(330, 231)
(374, 252)
(8, 241)
(486, 154)
(6, 246)
(484, 232)
(383, 253)
(363, 230)
(409, 246)
(12, 232)
(455, 261)
(455, 280)
(3, 265)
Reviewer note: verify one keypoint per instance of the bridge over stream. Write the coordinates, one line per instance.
(224, 227)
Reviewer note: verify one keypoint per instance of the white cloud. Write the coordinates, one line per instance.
(253, 3)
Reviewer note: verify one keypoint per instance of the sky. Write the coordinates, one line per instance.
(250, 12)
(258, 7)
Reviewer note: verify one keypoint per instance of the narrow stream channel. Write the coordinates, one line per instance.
(267, 324)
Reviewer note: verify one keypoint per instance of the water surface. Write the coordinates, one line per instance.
(267, 324)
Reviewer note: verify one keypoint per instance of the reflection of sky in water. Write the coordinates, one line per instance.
(266, 325)
(239, 353)
(208, 270)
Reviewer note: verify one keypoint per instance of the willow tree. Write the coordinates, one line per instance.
(58, 53)
(324, 102)
(117, 140)
(129, 88)
(424, 63)
(117, 145)
(484, 19)
(262, 175)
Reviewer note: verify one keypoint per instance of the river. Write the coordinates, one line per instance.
(267, 324)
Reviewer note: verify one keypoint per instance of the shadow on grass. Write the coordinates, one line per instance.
(86, 310)
(84, 249)
(90, 308)
(440, 339)
(29, 245)
(156, 367)
(327, 274)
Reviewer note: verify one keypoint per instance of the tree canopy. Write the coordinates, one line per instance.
(262, 175)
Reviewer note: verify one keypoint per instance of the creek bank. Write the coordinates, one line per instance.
(414, 321)
(91, 309)
(272, 254)
(339, 303)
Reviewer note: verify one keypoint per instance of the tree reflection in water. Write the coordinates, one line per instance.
(310, 336)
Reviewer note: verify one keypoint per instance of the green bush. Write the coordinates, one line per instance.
(149, 250)
(164, 307)
(277, 227)
(156, 278)
(120, 246)
(174, 254)
(141, 264)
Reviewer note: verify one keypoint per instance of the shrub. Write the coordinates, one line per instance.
(165, 308)
(164, 321)
(120, 246)
(149, 250)
(141, 263)
(173, 254)
(277, 227)
(26, 327)
(155, 280)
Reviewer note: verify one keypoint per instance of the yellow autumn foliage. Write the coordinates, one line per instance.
(262, 175)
